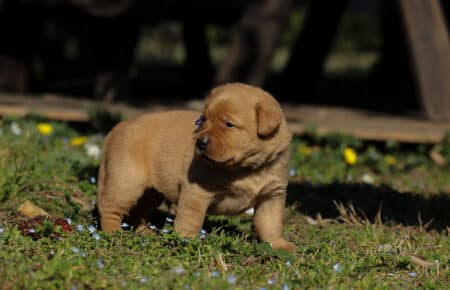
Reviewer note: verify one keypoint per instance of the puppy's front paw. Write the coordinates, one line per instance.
(283, 245)
(186, 233)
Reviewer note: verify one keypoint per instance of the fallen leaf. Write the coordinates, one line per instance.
(31, 210)
(421, 262)
(437, 157)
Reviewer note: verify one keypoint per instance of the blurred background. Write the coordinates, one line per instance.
(362, 54)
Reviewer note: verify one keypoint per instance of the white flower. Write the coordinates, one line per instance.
(250, 211)
(367, 178)
(270, 281)
(412, 274)
(337, 267)
(143, 279)
(1, 230)
(178, 270)
(96, 236)
(69, 221)
(292, 172)
(169, 220)
(92, 150)
(100, 264)
(15, 129)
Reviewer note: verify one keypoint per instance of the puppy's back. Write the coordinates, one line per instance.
(152, 145)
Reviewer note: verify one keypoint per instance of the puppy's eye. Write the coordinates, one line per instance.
(200, 120)
(229, 125)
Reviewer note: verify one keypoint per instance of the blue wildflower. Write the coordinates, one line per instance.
(92, 179)
(100, 264)
(412, 274)
(96, 236)
(75, 250)
(215, 274)
(80, 228)
(125, 225)
(91, 229)
(270, 281)
(285, 287)
(231, 279)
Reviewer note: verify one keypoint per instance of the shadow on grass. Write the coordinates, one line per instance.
(396, 207)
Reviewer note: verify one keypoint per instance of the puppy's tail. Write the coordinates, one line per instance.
(102, 168)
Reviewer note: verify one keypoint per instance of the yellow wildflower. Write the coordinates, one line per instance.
(45, 129)
(78, 141)
(350, 156)
(304, 150)
(390, 160)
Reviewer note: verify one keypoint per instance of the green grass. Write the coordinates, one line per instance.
(381, 223)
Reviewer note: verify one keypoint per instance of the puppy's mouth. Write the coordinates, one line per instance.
(204, 155)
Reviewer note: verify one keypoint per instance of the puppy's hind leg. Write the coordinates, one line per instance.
(118, 194)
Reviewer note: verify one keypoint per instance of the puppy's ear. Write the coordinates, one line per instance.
(268, 118)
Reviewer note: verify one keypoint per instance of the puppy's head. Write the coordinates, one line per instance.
(242, 126)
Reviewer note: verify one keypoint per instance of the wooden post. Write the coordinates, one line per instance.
(430, 51)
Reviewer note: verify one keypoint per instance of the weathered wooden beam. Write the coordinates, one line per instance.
(361, 124)
(430, 51)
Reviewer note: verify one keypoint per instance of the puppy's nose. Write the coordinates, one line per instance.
(202, 143)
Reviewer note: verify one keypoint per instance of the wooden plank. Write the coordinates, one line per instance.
(430, 50)
(361, 124)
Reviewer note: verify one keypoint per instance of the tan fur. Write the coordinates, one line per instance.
(243, 166)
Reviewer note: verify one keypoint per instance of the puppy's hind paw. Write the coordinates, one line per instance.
(283, 245)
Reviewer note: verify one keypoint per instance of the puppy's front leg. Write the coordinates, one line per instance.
(268, 221)
(191, 211)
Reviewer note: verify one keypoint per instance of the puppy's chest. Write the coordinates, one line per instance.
(238, 196)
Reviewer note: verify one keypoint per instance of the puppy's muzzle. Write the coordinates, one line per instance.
(202, 143)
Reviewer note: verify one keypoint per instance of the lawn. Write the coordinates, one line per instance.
(363, 215)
